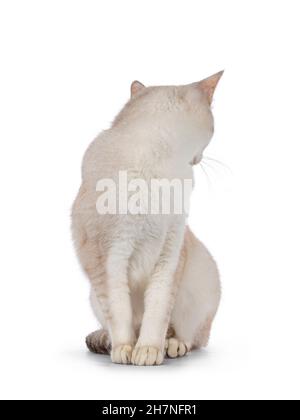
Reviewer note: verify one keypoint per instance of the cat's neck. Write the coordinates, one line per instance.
(160, 142)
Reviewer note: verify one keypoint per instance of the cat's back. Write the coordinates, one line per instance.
(125, 149)
(105, 156)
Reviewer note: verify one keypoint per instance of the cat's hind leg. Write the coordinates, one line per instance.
(98, 341)
(175, 348)
(197, 300)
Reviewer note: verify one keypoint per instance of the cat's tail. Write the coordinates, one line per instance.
(99, 342)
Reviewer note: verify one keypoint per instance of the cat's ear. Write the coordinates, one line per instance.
(209, 85)
(136, 87)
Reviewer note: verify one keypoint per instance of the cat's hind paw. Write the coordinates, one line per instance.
(121, 354)
(175, 348)
(147, 356)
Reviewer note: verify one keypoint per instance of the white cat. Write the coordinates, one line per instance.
(155, 289)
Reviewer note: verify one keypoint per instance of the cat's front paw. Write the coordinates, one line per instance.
(121, 354)
(147, 356)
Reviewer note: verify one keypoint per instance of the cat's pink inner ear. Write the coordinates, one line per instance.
(209, 85)
(136, 87)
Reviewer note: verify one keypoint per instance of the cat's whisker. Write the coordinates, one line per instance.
(217, 161)
(213, 168)
(206, 175)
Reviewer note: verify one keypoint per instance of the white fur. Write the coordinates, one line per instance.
(148, 272)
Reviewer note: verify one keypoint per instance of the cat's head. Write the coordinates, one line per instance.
(181, 112)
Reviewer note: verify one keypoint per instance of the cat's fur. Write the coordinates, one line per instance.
(154, 287)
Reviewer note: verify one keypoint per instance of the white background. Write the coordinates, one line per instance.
(66, 68)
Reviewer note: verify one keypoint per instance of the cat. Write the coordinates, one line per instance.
(155, 288)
